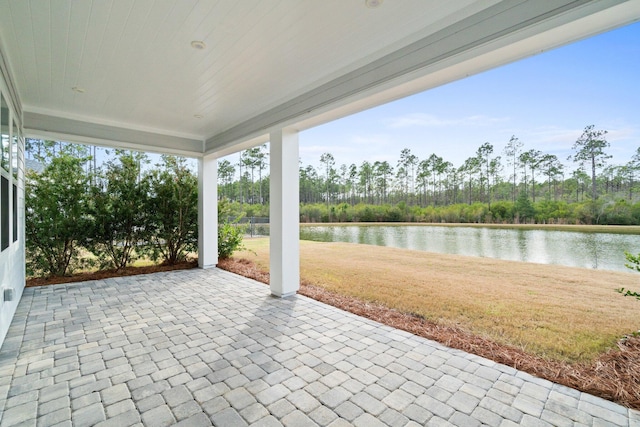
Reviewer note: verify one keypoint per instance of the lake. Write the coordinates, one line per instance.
(603, 251)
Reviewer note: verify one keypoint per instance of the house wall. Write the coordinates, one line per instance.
(12, 211)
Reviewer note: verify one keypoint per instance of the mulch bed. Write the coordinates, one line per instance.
(105, 274)
(614, 376)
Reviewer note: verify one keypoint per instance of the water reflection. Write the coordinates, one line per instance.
(587, 250)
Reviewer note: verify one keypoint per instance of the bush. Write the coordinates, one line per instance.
(393, 215)
(230, 233)
(120, 218)
(633, 261)
(56, 219)
(229, 239)
(634, 264)
(524, 208)
(173, 209)
(618, 213)
(118, 213)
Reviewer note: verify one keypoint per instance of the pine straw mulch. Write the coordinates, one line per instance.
(614, 376)
(105, 274)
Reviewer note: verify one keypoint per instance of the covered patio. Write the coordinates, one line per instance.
(204, 79)
(208, 347)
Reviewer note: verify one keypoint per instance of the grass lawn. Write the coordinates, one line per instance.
(561, 313)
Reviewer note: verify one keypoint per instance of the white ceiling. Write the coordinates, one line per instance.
(267, 63)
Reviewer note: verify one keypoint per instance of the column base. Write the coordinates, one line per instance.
(207, 267)
(286, 295)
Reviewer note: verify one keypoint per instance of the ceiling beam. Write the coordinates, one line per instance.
(45, 126)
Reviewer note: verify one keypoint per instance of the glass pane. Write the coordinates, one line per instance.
(14, 150)
(4, 213)
(4, 128)
(15, 212)
(20, 154)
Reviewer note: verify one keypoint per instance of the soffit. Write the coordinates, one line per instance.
(134, 61)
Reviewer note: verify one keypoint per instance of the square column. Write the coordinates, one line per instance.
(207, 212)
(284, 212)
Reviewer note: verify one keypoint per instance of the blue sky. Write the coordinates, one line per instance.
(545, 100)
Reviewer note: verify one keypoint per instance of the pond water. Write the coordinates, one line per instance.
(603, 251)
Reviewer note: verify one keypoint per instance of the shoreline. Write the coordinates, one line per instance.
(610, 229)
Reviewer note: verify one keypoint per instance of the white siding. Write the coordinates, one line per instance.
(12, 258)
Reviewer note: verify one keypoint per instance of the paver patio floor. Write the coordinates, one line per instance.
(203, 347)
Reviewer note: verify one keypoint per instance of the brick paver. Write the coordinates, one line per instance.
(207, 347)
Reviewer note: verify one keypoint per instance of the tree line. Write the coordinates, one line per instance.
(123, 208)
(515, 185)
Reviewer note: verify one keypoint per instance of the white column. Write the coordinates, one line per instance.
(207, 212)
(284, 213)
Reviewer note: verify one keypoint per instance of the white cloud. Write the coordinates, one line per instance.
(551, 136)
(565, 137)
(373, 139)
(417, 119)
(623, 134)
(430, 120)
(318, 150)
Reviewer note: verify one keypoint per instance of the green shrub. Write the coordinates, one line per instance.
(634, 264)
(229, 239)
(120, 225)
(56, 220)
(173, 211)
(230, 233)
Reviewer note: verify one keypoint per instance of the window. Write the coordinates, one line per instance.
(4, 174)
(15, 167)
(14, 151)
(15, 212)
(4, 213)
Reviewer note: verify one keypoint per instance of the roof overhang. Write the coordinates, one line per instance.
(464, 41)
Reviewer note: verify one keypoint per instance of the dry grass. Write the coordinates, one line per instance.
(561, 313)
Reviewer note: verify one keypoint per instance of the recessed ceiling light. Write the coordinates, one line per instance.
(197, 44)
(371, 4)
(197, 116)
(78, 89)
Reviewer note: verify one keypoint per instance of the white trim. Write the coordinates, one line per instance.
(79, 139)
(239, 146)
(64, 129)
(96, 120)
(12, 259)
(8, 85)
